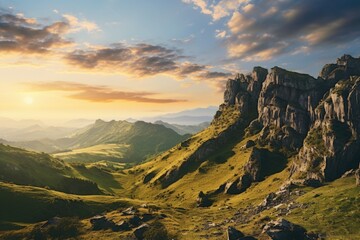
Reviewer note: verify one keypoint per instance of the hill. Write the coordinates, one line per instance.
(136, 141)
(39, 169)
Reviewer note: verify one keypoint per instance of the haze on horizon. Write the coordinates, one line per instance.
(119, 59)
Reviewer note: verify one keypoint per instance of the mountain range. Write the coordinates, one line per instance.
(279, 161)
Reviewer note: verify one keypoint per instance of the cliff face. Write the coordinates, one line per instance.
(316, 120)
(332, 145)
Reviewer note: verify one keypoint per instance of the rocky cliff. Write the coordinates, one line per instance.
(314, 119)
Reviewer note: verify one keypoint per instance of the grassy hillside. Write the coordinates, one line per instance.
(97, 153)
(39, 169)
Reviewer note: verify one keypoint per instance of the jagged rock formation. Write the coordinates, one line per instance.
(332, 145)
(319, 118)
(244, 91)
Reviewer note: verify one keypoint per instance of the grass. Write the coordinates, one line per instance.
(29, 204)
(101, 152)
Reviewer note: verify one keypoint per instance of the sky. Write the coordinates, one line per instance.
(115, 59)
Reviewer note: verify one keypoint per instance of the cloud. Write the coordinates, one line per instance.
(25, 35)
(142, 60)
(263, 29)
(97, 93)
(220, 34)
(78, 25)
(28, 36)
(266, 29)
(202, 4)
(219, 10)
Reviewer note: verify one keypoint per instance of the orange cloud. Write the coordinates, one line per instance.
(97, 93)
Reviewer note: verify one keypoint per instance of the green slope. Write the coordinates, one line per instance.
(135, 142)
(39, 169)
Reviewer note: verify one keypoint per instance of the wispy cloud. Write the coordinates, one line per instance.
(96, 93)
(78, 25)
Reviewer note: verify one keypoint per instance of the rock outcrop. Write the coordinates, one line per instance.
(319, 118)
(332, 145)
(286, 105)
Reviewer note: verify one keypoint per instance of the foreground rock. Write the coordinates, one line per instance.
(234, 234)
(203, 200)
(282, 229)
(101, 223)
(139, 231)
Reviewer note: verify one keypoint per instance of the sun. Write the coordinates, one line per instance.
(28, 100)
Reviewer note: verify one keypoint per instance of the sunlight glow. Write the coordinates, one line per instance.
(28, 100)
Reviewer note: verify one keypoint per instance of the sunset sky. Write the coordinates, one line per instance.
(115, 59)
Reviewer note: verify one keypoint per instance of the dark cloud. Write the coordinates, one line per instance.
(98, 93)
(25, 35)
(143, 60)
(272, 27)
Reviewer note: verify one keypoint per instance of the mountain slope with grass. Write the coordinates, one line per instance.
(22, 167)
(278, 161)
(118, 141)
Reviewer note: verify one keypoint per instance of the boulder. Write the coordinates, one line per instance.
(101, 223)
(232, 187)
(203, 200)
(239, 185)
(234, 234)
(139, 231)
(147, 217)
(282, 229)
(122, 226)
(135, 221)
